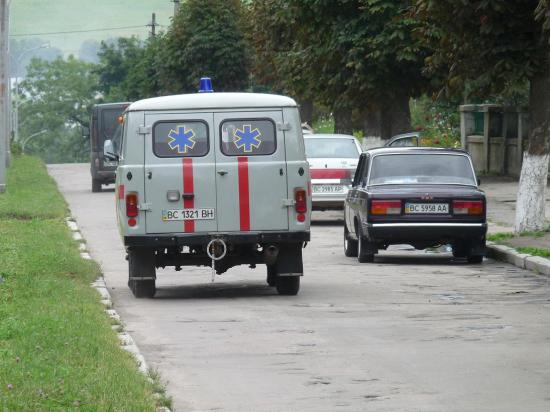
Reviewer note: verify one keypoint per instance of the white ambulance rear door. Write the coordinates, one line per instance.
(180, 182)
(251, 173)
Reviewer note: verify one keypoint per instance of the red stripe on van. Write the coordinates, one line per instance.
(244, 194)
(120, 192)
(188, 188)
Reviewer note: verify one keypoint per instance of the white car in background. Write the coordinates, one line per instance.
(332, 161)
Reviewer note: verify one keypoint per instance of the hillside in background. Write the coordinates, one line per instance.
(45, 16)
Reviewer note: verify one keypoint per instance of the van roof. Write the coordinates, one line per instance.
(212, 101)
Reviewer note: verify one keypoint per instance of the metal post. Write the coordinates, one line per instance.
(4, 111)
(176, 6)
(153, 25)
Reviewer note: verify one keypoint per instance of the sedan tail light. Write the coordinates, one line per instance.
(331, 173)
(132, 205)
(468, 207)
(385, 207)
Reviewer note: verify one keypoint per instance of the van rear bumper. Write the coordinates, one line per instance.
(187, 239)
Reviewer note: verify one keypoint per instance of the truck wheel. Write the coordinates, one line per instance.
(142, 273)
(272, 275)
(288, 285)
(365, 249)
(96, 186)
(350, 245)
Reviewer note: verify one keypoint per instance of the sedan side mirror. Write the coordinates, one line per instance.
(85, 132)
(109, 150)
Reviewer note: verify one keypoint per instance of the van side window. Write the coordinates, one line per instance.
(180, 139)
(242, 137)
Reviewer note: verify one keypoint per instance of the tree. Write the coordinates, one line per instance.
(56, 99)
(484, 47)
(24, 50)
(205, 39)
(349, 54)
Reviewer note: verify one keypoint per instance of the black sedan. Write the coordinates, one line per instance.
(419, 196)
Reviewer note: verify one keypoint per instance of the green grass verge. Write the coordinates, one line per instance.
(57, 349)
(534, 251)
(500, 236)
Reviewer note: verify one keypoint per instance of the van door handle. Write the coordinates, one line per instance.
(222, 172)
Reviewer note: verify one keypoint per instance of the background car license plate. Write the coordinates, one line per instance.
(328, 189)
(188, 214)
(428, 208)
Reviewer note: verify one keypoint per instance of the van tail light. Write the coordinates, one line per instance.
(468, 207)
(132, 205)
(385, 207)
(300, 198)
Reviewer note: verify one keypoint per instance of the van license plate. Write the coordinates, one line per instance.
(188, 214)
(427, 208)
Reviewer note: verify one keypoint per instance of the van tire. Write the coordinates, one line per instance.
(288, 285)
(272, 275)
(141, 264)
(350, 245)
(96, 186)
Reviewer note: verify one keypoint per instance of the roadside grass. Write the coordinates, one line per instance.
(57, 348)
(534, 251)
(500, 236)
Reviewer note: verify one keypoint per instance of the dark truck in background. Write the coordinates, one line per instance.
(104, 124)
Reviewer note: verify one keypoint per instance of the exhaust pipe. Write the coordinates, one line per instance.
(270, 254)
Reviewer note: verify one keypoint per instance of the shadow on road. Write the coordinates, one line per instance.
(216, 290)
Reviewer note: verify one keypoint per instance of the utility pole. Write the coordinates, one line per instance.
(176, 6)
(153, 25)
(4, 96)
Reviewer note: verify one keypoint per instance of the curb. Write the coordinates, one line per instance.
(508, 254)
(126, 341)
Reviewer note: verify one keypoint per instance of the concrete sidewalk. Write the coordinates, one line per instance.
(501, 195)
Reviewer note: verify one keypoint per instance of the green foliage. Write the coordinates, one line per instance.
(438, 121)
(205, 39)
(483, 47)
(128, 69)
(57, 349)
(54, 101)
(346, 54)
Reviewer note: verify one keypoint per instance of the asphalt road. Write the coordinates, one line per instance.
(413, 331)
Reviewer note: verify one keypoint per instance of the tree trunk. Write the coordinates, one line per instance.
(372, 123)
(306, 112)
(530, 205)
(395, 117)
(343, 121)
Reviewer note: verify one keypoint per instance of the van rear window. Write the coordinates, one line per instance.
(180, 139)
(248, 137)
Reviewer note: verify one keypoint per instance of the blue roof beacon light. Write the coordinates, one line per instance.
(206, 85)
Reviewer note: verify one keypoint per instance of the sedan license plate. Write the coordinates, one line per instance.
(427, 208)
(188, 214)
(328, 189)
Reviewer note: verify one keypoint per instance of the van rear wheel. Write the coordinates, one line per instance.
(142, 273)
(288, 285)
(272, 275)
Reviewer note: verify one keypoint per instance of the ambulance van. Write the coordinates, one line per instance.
(213, 179)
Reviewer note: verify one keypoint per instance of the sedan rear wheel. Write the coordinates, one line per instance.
(365, 249)
(350, 245)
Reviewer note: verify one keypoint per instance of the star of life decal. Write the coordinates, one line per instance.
(247, 139)
(181, 139)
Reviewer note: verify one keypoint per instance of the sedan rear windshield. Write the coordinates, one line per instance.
(421, 169)
(326, 148)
